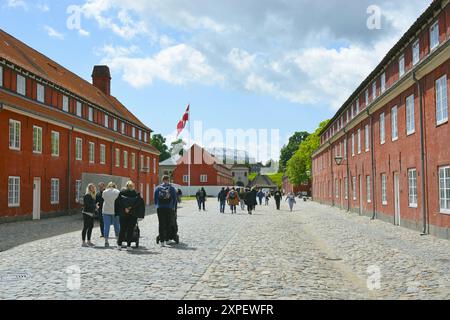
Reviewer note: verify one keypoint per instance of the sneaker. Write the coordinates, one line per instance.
(90, 244)
(162, 244)
(129, 249)
(84, 245)
(106, 244)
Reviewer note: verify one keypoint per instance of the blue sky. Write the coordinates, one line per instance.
(276, 64)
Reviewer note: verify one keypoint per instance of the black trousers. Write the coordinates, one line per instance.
(102, 225)
(278, 202)
(166, 217)
(201, 203)
(127, 224)
(88, 225)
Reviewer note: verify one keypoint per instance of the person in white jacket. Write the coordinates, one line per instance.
(109, 215)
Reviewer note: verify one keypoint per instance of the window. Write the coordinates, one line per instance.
(21, 85)
(374, 90)
(412, 187)
(91, 152)
(366, 97)
(54, 191)
(117, 158)
(37, 139)
(383, 189)
(91, 114)
(352, 112)
(359, 141)
(55, 144)
(148, 164)
(434, 35)
(78, 149)
(102, 154)
(401, 66)
(1, 76)
(416, 52)
(185, 178)
(106, 121)
(353, 144)
(336, 188)
(142, 163)
(14, 135)
(122, 129)
(346, 188)
(133, 132)
(65, 103)
(125, 159)
(154, 165)
(345, 148)
(145, 137)
(133, 161)
(366, 137)
(79, 109)
(354, 187)
(40, 93)
(444, 190)
(115, 124)
(383, 82)
(382, 129)
(394, 123)
(13, 192)
(140, 135)
(357, 107)
(410, 127)
(204, 178)
(441, 100)
(368, 189)
(78, 191)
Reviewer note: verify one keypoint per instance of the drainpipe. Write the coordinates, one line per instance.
(374, 171)
(422, 156)
(332, 174)
(69, 170)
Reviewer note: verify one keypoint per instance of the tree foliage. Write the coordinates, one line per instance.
(289, 150)
(298, 168)
(159, 142)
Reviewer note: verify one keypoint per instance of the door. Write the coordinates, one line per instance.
(396, 199)
(360, 195)
(37, 199)
(147, 195)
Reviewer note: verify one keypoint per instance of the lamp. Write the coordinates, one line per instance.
(338, 160)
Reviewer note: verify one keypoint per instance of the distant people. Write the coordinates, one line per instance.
(233, 200)
(88, 214)
(179, 195)
(99, 203)
(242, 196)
(201, 199)
(291, 200)
(222, 199)
(250, 200)
(127, 204)
(260, 196)
(278, 197)
(267, 197)
(109, 197)
(165, 202)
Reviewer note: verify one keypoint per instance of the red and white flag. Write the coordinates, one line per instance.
(183, 121)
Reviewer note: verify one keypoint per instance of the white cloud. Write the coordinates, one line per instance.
(43, 7)
(17, 4)
(83, 33)
(53, 33)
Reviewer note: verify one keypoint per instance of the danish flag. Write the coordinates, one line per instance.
(183, 121)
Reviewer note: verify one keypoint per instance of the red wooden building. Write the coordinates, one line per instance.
(386, 152)
(55, 127)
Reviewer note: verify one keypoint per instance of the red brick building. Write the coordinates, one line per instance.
(296, 189)
(391, 137)
(55, 127)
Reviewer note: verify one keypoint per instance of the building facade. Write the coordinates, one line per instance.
(240, 174)
(55, 128)
(386, 153)
(304, 188)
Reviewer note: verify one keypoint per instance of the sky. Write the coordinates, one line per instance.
(283, 65)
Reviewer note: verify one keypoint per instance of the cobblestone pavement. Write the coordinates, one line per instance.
(316, 252)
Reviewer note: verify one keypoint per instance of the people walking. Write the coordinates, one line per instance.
(260, 196)
(89, 209)
(267, 197)
(291, 200)
(127, 203)
(250, 200)
(242, 196)
(222, 199)
(201, 199)
(109, 197)
(165, 202)
(233, 200)
(278, 197)
(99, 203)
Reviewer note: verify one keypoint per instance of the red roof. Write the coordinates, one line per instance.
(33, 61)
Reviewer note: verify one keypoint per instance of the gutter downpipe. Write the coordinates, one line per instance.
(374, 171)
(332, 175)
(422, 156)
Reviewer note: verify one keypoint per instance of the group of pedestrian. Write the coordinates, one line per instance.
(122, 209)
(246, 198)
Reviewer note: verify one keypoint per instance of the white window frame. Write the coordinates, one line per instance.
(37, 140)
(91, 152)
(21, 86)
(366, 137)
(140, 135)
(91, 114)
(374, 90)
(185, 178)
(102, 154)
(117, 158)
(410, 121)
(78, 149)
(203, 178)
(55, 143)
(444, 186)
(336, 188)
(357, 107)
(383, 82)
(384, 189)
(79, 109)
(106, 124)
(15, 134)
(54, 191)
(434, 36)
(148, 164)
(412, 188)
(115, 124)
(40, 93)
(382, 128)
(122, 128)
(78, 191)
(345, 148)
(401, 66)
(13, 192)
(366, 97)
(142, 163)
(133, 132)
(394, 123)
(125, 159)
(65, 103)
(354, 188)
(1, 76)
(368, 189)
(154, 165)
(346, 188)
(353, 144)
(441, 100)
(416, 52)
(133, 161)
(359, 142)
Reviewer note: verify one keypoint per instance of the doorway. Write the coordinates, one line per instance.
(37, 199)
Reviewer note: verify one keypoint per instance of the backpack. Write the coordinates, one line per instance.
(164, 196)
(232, 195)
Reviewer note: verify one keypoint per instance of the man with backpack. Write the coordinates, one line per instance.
(222, 198)
(166, 203)
(233, 200)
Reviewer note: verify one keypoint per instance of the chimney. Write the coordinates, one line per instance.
(101, 78)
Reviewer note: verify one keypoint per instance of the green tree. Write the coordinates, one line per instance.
(298, 168)
(159, 142)
(288, 150)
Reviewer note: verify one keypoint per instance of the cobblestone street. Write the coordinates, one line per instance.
(316, 252)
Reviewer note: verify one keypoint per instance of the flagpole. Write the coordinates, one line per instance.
(189, 152)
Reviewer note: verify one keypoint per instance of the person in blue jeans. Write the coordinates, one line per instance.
(222, 198)
(109, 215)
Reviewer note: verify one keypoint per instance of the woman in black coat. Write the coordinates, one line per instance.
(128, 208)
(250, 200)
(88, 214)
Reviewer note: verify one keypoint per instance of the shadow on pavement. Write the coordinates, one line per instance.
(181, 246)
